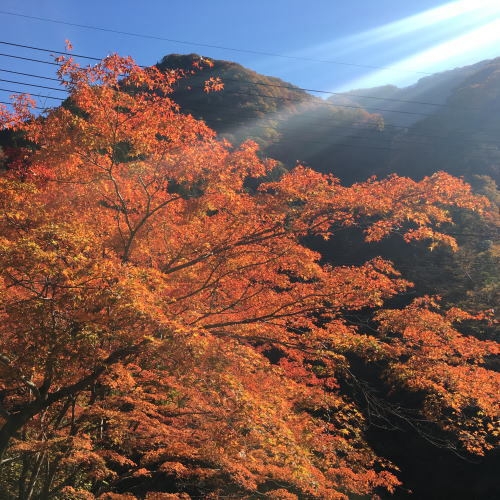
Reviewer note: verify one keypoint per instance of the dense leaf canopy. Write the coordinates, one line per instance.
(164, 330)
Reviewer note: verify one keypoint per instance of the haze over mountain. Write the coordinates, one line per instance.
(447, 121)
(404, 106)
(247, 107)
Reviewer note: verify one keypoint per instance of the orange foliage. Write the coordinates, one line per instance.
(429, 354)
(143, 286)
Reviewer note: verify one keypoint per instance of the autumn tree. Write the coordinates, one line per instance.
(165, 333)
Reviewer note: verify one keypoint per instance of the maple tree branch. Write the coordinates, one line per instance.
(149, 213)
(123, 204)
(18, 419)
(28, 383)
(231, 305)
(263, 318)
(249, 240)
(113, 358)
(380, 409)
(261, 338)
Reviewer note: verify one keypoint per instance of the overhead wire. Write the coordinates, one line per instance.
(34, 95)
(33, 85)
(288, 87)
(212, 46)
(9, 103)
(50, 51)
(333, 105)
(283, 98)
(29, 74)
(314, 127)
(292, 99)
(303, 140)
(343, 94)
(2, 54)
(229, 92)
(266, 84)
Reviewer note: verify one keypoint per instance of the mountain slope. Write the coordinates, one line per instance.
(448, 121)
(462, 136)
(407, 105)
(289, 124)
(246, 105)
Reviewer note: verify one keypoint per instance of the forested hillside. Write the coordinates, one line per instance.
(447, 121)
(248, 107)
(415, 101)
(462, 134)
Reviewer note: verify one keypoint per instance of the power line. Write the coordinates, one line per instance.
(50, 51)
(288, 87)
(28, 59)
(344, 94)
(402, 141)
(302, 140)
(363, 145)
(265, 96)
(10, 104)
(285, 98)
(358, 145)
(206, 45)
(329, 128)
(333, 105)
(299, 127)
(282, 98)
(34, 95)
(33, 85)
(386, 125)
(29, 74)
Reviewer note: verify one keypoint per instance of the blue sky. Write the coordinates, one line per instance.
(323, 44)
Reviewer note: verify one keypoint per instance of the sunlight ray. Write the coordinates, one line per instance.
(465, 11)
(472, 44)
(421, 32)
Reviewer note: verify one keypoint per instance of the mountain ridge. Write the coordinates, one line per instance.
(359, 133)
(428, 92)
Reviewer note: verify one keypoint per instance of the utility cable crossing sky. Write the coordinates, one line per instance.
(390, 42)
(313, 91)
(408, 42)
(338, 132)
